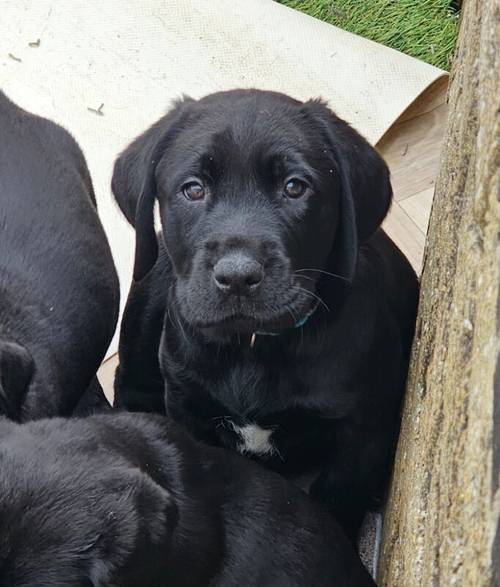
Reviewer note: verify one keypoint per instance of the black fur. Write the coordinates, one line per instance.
(58, 285)
(330, 390)
(124, 500)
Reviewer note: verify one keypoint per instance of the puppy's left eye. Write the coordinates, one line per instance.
(294, 188)
(194, 191)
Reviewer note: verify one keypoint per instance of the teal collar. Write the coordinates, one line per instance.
(298, 324)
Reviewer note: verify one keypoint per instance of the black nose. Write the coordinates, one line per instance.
(238, 273)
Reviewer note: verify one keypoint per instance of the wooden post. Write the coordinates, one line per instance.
(441, 526)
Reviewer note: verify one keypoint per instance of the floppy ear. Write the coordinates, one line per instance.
(365, 183)
(138, 519)
(16, 372)
(134, 183)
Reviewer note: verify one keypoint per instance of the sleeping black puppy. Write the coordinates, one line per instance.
(58, 285)
(123, 500)
(289, 314)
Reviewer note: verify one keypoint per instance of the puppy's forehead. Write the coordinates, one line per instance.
(249, 123)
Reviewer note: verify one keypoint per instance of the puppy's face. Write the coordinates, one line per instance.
(256, 201)
(69, 521)
(249, 204)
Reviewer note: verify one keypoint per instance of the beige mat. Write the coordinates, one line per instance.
(64, 59)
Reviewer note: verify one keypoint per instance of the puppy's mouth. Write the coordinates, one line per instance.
(238, 317)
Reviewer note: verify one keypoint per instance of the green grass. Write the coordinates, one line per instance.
(426, 29)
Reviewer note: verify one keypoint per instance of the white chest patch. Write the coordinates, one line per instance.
(255, 440)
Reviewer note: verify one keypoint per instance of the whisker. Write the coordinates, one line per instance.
(275, 448)
(323, 272)
(181, 328)
(306, 277)
(291, 312)
(314, 295)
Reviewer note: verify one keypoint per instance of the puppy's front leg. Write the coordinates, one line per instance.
(139, 385)
(354, 479)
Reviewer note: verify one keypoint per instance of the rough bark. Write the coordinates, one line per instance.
(441, 525)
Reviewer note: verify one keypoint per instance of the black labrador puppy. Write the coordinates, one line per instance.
(288, 313)
(123, 500)
(58, 285)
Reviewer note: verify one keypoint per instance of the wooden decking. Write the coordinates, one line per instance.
(411, 148)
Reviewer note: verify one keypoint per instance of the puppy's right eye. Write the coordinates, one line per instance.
(295, 188)
(193, 191)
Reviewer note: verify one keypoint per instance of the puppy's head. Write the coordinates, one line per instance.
(72, 522)
(260, 196)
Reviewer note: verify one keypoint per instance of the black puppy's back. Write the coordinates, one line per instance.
(131, 499)
(58, 283)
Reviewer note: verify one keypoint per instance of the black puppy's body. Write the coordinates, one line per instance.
(288, 313)
(58, 285)
(119, 500)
